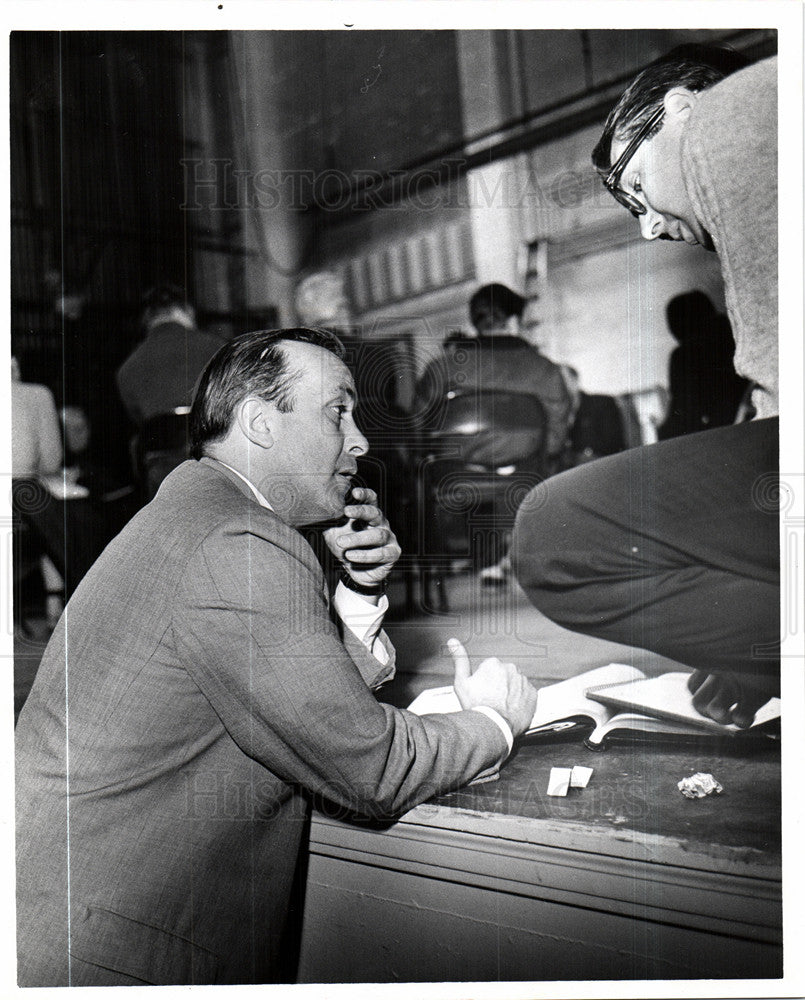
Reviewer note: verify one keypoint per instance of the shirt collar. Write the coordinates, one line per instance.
(257, 494)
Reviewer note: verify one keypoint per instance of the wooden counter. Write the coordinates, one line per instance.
(626, 879)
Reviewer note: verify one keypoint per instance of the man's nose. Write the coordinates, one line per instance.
(652, 224)
(356, 443)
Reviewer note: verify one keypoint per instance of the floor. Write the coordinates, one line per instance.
(492, 621)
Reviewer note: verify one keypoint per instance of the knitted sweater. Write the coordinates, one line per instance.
(729, 161)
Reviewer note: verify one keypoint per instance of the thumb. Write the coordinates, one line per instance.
(461, 660)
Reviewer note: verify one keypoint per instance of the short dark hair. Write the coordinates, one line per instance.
(498, 295)
(693, 66)
(252, 364)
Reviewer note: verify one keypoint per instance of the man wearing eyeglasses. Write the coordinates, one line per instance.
(674, 547)
(693, 156)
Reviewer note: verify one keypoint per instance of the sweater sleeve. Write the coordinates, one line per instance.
(729, 160)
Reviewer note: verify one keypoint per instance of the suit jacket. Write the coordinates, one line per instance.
(195, 687)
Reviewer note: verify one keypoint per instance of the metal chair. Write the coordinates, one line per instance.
(481, 456)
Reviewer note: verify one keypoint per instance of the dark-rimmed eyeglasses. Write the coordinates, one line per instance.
(612, 179)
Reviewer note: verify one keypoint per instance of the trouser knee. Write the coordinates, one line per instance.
(541, 542)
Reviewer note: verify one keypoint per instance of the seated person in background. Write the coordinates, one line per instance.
(156, 384)
(36, 441)
(495, 312)
(113, 498)
(213, 688)
(674, 547)
(604, 425)
(498, 359)
(705, 390)
(54, 516)
(160, 373)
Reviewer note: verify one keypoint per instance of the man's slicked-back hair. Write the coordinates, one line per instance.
(695, 67)
(253, 364)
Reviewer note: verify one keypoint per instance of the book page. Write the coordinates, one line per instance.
(569, 698)
(435, 701)
(636, 723)
(563, 700)
(667, 697)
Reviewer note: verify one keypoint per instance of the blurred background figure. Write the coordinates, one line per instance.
(156, 383)
(505, 405)
(113, 498)
(705, 389)
(598, 422)
(321, 301)
(54, 539)
(160, 373)
(36, 446)
(75, 425)
(518, 365)
(497, 359)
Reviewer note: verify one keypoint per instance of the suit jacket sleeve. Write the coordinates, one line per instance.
(252, 626)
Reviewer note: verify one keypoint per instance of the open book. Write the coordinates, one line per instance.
(591, 703)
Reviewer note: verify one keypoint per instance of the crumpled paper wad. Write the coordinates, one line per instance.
(698, 785)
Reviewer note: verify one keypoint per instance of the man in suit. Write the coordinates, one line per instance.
(197, 688)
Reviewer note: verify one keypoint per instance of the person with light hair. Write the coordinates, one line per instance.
(321, 301)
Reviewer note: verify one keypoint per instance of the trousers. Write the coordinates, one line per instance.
(672, 547)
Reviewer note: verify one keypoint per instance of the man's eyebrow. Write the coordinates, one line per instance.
(342, 391)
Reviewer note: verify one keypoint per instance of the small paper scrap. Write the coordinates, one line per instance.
(559, 781)
(580, 776)
(698, 785)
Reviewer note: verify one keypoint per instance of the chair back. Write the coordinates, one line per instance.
(492, 428)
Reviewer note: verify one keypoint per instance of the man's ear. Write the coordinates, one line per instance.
(679, 102)
(254, 417)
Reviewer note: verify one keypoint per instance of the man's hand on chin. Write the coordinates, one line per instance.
(731, 697)
(365, 545)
